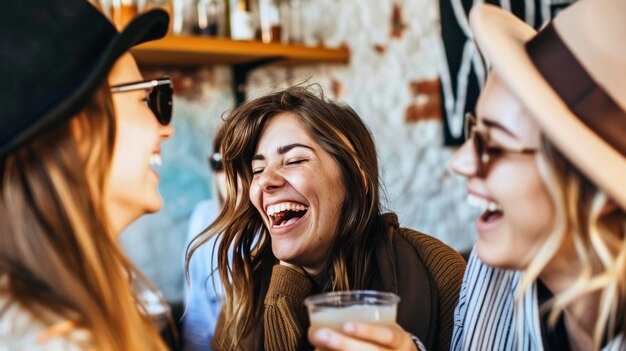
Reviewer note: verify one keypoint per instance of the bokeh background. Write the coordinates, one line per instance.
(392, 81)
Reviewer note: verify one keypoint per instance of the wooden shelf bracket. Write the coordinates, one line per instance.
(240, 76)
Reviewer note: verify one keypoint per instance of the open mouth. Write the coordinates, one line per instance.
(491, 216)
(286, 213)
(155, 161)
(492, 211)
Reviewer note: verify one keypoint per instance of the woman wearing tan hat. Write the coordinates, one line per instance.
(546, 161)
(80, 132)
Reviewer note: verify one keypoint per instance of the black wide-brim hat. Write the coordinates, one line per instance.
(53, 57)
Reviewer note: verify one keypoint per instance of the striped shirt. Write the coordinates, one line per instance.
(485, 317)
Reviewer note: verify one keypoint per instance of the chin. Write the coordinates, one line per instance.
(284, 255)
(496, 257)
(154, 206)
(285, 252)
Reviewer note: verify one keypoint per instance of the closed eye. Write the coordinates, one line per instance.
(294, 162)
(495, 151)
(257, 170)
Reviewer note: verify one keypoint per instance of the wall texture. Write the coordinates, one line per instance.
(387, 56)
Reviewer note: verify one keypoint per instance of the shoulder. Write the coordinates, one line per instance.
(414, 237)
(21, 330)
(493, 287)
(205, 211)
(206, 207)
(486, 308)
(203, 214)
(443, 263)
(438, 257)
(431, 249)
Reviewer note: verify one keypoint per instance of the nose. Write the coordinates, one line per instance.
(166, 132)
(464, 160)
(270, 180)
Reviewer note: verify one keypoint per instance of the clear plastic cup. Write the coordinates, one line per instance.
(332, 310)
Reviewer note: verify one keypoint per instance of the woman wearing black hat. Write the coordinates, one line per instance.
(546, 162)
(80, 132)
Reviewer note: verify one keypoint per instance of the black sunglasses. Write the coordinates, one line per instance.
(159, 97)
(486, 154)
(215, 162)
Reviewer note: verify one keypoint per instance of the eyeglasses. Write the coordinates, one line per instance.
(215, 162)
(486, 154)
(159, 97)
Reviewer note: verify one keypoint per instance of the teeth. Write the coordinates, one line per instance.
(155, 160)
(483, 204)
(492, 207)
(285, 206)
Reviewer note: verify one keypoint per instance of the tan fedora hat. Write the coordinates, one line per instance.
(571, 76)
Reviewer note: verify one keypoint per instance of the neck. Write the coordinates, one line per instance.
(312, 271)
(119, 219)
(580, 315)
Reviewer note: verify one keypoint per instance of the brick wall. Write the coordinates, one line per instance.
(392, 51)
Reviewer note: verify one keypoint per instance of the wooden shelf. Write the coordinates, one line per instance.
(186, 51)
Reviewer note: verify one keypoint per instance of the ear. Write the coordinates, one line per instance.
(79, 127)
(78, 130)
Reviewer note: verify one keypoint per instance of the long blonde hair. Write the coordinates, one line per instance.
(341, 133)
(599, 242)
(56, 244)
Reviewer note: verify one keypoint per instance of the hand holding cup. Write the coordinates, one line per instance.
(356, 320)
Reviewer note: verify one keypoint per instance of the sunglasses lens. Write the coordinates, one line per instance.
(470, 123)
(215, 162)
(160, 102)
(477, 140)
(479, 146)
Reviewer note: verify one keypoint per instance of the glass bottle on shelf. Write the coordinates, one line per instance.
(295, 30)
(270, 20)
(211, 16)
(241, 27)
(122, 11)
(177, 21)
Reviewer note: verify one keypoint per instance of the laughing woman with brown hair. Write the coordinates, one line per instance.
(310, 191)
(80, 132)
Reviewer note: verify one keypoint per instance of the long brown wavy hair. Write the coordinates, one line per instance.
(599, 240)
(56, 244)
(340, 132)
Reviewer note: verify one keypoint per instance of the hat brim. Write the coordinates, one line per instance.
(501, 38)
(148, 26)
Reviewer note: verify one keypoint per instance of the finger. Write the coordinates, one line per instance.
(326, 338)
(386, 336)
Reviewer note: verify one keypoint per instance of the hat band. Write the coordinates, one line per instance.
(584, 97)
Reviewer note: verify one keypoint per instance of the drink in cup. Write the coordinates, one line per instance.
(332, 310)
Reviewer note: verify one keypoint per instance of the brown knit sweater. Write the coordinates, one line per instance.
(423, 271)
